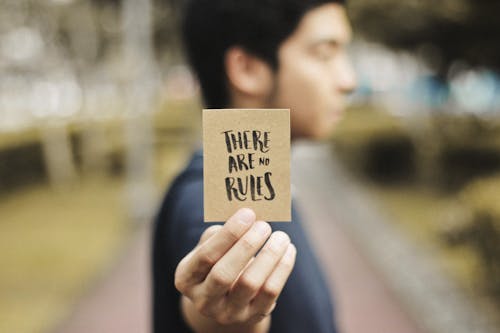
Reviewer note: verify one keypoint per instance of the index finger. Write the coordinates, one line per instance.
(207, 254)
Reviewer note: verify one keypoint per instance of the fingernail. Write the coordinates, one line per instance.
(262, 227)
(245, 215)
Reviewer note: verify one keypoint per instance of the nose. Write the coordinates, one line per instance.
(346, 77)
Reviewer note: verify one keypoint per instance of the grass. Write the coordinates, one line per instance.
(419, 206)
(422, 213)
(56, 244)
(53, 244)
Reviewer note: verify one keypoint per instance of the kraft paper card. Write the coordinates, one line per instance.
(246, 163)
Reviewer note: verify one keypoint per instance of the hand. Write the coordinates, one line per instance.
(222, 278)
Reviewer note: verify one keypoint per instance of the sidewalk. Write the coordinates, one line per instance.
(401, 276)
(364, 304)
(120, 303)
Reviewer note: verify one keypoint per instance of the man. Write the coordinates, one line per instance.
(251, 54)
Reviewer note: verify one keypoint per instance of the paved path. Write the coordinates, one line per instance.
(120, 302)
(416, 282)
(364, 303)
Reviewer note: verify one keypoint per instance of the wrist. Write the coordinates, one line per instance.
(202, 324)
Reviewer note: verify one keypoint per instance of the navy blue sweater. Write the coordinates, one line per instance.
(304, 304)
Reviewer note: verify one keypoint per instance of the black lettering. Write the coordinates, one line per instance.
(231, 191)
(245, 139)
(241, 140)
(228, 141)
(243, 189)
(266, 142)
(251, 160)
(256, 139)
(238, 142)
(241, 162)
(263, 161)
(229, 188)
(232, 164)
(267, 180)
(253, 188)
(259, 186)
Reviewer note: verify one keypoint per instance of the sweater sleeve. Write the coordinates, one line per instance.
(187, 218)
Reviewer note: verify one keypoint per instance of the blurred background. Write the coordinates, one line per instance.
(98, 112)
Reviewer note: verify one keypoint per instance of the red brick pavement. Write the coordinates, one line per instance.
(364, 304)
(120, 303)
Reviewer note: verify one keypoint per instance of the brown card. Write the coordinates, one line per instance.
(246, 163)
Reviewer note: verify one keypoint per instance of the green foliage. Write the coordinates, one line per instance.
(376, 145)
(450, 168)
(479, 229)
(445, 31)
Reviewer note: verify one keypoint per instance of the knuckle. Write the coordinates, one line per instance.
(180, 285)
(179, 282)
(287, 264)
(248, 283)
(270, 291)
(224, 318)
(205, 258)
(202, 306)
(221, 320)
(272, 252)
(247, 244)
(232, 234)
(220, 278)
(228, 317)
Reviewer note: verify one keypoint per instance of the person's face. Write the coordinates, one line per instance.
(314, 73)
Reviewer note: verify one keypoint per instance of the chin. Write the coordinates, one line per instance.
(319, 135)
(324, 132)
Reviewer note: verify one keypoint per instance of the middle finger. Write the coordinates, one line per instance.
(228, 268)
(260, 269)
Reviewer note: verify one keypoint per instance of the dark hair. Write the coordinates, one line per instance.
(211, 27)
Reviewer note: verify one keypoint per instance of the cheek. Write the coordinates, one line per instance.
(297, 96)
(315, 83)
(304, 89)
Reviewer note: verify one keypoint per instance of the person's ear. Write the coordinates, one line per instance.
(247, 74)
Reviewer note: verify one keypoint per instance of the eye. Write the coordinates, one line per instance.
(325, 52)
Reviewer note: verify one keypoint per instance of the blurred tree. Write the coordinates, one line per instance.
(165, 33)
(441, 32)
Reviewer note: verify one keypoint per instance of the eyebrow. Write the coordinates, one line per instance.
(328, 41)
